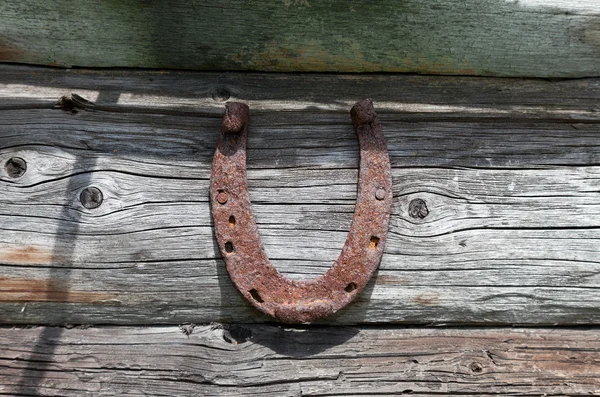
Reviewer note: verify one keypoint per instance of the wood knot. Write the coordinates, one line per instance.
(220, 95)
(73, 103)
(418, 208)
(476, 367)
(91, 197)
(15, 167)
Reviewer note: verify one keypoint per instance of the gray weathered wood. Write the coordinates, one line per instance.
(406, 96)
(550, 38)
(270, 361)
(509, 171)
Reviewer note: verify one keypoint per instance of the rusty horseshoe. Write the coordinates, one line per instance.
(237, 234)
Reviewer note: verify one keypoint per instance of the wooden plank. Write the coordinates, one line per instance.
(406, 96)
(551, 38)
(511, 235)
(251, 360)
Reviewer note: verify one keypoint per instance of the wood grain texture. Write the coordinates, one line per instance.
(551, 38)
(251, 360)
(508, 169)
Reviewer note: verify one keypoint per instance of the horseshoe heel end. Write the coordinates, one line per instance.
(237, 116)
(363, 112)
(236, 231)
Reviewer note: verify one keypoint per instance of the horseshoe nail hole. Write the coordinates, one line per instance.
(233, 141)
(256, 296)
(229, 247)
(232, 221)
(350, 287)
(374, 242)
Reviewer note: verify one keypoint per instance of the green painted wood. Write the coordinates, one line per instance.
(552, 38)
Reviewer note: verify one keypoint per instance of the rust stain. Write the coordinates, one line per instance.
(10, 53)
(42, 290)
(28, 255)
(427, 299)
(392, 280)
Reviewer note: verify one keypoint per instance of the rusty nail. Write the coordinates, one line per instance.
(418, 208)
(292, 301)
(91, 197)
(222, 197)
(15, 167)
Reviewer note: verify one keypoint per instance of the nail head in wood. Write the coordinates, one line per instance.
(91, 197)
(418, 208)
(15, 167)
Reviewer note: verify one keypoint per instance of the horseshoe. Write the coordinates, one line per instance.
(291, 301)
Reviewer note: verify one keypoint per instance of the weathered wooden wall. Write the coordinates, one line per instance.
(508, 169)
(253, 360)
(551, 38)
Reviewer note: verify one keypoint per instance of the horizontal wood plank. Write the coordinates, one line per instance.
(253, 360)
(532, 38)
(510, 234)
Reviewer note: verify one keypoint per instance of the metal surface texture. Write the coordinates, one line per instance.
(291, 301)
